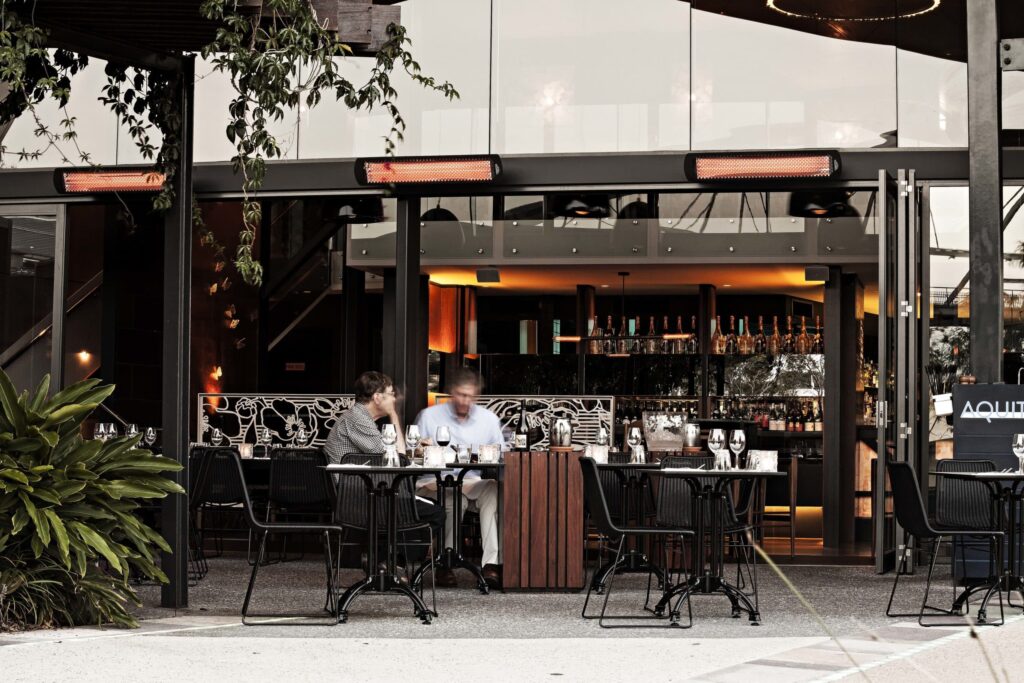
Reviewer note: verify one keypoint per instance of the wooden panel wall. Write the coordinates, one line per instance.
(542, 522)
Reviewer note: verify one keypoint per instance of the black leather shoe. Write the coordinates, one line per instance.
(492, 575)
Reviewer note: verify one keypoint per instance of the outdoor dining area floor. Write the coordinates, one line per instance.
(848, 599)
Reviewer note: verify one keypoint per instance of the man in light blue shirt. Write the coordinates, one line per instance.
(469, 425)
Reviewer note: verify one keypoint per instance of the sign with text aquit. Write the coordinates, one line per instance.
(985, 418)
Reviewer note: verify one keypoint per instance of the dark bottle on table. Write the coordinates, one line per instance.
(521, 437)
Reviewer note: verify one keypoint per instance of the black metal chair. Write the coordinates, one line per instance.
(299, 487)
(226, 461)
(602, 518)
(351, 513)
(911, 514)
(215, 491)
(198, 567)
(612, 483)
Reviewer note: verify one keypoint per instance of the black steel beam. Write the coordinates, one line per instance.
(984, 121)
(406, 337)
(177, 312)
(356, 335)
(706, 307)
(110, 50)
(60, 280)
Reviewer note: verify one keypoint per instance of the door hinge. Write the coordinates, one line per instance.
(906, 309)
(905, 430)
(880, 414)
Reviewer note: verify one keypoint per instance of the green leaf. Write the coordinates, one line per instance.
(19, 521)
(40, 395)
(71, 394)
(68, 412)
(97, 542)
(60, 533)
(14, 475)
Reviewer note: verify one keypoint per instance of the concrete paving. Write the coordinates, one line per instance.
(519, 636)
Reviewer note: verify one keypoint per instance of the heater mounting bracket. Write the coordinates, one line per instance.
(1011, 54)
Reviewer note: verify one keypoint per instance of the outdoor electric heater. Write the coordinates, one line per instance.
(766, 166)
(432, 170)
(101, 180)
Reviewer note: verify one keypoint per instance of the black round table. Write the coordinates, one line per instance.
(708, 575)
(387, 581)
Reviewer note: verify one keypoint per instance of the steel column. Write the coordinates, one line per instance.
(177, 311)
(60, 281)
(984, 122)
(408, 353)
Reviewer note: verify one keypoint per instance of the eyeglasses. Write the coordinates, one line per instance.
(389, 392)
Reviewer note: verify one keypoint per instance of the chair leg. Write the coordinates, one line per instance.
(611, 580)
(252, 577)
(332, 598)
(901, 568)
(928, 581)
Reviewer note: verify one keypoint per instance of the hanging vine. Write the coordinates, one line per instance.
(261, 51)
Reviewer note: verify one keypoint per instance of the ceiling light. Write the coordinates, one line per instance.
(605, 286)
(795, 9)
(581, 206)
(821, 204)
(438, 214)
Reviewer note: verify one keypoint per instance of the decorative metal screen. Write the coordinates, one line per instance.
(587, 413)
(240, 416)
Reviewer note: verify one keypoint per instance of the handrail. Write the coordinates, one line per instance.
(22, 343)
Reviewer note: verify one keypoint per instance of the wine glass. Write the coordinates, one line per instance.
(266, 437)
(634, 439)
(131, 430)
(111, 430)
(302, 436)
(389, 435)
(150, 436)
(412, 438)
(99, 431)
(716, 443)
(737, 442)
(443, 436)
(218, 437)
(1018, 450)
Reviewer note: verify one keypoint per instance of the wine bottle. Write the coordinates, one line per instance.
(730, 339)
(622, 343)
(788, 340)
(693, 343)
(746, 341)
(652, 344)
(609, 337)
(521, 437)
(716, 336)
(803, 342)
(596, 345)
(760, 341)
(775, 341)
(817, 344)
(636, 345)
(666, 344)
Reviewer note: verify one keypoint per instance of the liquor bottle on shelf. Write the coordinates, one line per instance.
(760, 341)
(816, 421)
(609, 337)
(801, 419)
(521, 437)
(636, 345)
(716, 336)
(746, 340)
(716, 412)
(596, 344)
(693, 343)
(774, 341)
(788, 341)
(803, 342)
(777, 423)
(665, 344)
(817, 343)
(678, 345)
(622, 343)
(730, 339)
(652, 344)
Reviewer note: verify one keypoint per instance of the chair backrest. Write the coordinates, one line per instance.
(907, 503)
(593, 493)
(298, 480)
(963, 504)
(351, 504)
(216, 482)
(675, 497)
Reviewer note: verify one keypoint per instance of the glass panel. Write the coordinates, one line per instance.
(375, 240)
(451, 42)
(457, 227)
(26, 293)
(590, 76)
(766, 224)
(83, 301)
(1013, 284)
(752, 88)
(537, 227)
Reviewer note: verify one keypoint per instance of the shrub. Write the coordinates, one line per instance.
(70, 534)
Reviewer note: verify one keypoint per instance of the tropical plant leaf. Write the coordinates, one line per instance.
(70, 394)
(9, 403)
(41, 391)
(60, 533)
(67, 412)
(97, 543)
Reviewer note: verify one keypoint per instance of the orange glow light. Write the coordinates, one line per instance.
(569, 339)
(217, 373)
(79, 182)
(676, 335)
(418, 170)
(763, 166)
(83, 356)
